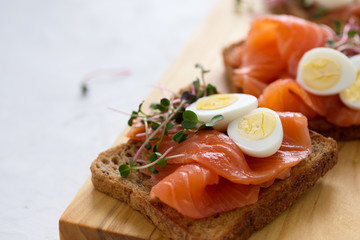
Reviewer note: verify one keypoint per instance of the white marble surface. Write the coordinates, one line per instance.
(49, 134)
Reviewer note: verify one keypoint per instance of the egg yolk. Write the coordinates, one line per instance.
(353, 92)
(257, 126)
(216, 101)
(321, 73)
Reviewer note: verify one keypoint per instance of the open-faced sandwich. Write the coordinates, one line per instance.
(291, 64)
(329, 12)
(204, 165)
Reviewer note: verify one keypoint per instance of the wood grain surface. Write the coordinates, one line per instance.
(331, 210)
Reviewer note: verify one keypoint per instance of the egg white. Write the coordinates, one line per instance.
(352, 104)
(244, 104)
(356, 61)
(258, 148)
(348, 70)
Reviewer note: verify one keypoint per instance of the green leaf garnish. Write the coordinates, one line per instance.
(124, 170)
(190, 116)
(196, 84)
(153, 170)
(159, 107)
(132, 117)
(162, 106)
(162, 162)
(165, 102)
(352, 33)
(153, 157)
(169, 126)
(210, 89)
(198, 65)
(165, 115)
(188, 125)
(153, 106)
(214, 120)
(180, 136)
(337, 24)
(154, 125)
(190, 120)
(203, 127)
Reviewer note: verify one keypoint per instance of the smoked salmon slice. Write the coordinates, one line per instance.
(197, 192)
(217, 152)
(213, 175)
(287, 95)
(273, 48)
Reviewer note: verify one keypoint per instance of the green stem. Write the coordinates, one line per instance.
(154, 162)
(169, 116)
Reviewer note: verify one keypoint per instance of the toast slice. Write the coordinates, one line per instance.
(319, 124)
(239, 223)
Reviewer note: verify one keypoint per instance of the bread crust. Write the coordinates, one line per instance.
(338, 133)
(239, 223)
(229, 68)
(319, 124)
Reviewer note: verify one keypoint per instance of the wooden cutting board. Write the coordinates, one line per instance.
(331, 210)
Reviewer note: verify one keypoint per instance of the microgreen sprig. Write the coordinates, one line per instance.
(346, 40)
(155, 158)
(191, 121)
(169, 115)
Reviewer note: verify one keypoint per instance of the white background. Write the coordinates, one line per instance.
(49, 133)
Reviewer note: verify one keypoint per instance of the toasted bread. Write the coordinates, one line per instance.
(319, 124)
(239, 223)
(229, 67)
